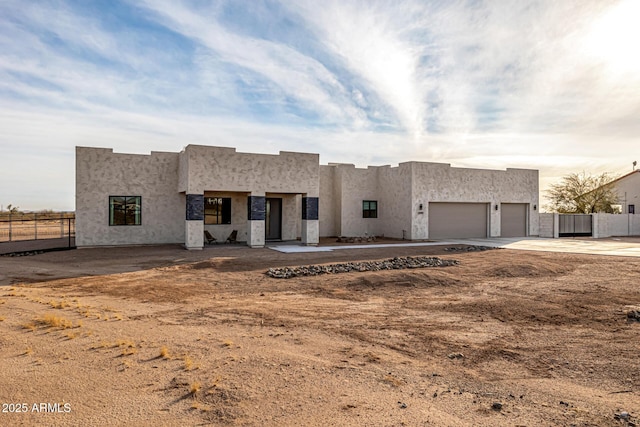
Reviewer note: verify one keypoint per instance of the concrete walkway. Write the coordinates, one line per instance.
(576, 246)
(296, 248)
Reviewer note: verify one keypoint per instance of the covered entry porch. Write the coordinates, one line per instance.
(257, 218)
(236, 186)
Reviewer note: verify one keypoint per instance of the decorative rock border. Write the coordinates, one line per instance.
(397, 263)
(357, 239)
(472, 248)
(26, 253)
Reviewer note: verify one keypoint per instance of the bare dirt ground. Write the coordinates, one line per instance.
(163, 336)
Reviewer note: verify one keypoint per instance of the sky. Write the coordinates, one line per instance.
(548, 85)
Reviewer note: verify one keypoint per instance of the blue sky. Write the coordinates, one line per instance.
(548, 85)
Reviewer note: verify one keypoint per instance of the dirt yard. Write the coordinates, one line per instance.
(163, 336)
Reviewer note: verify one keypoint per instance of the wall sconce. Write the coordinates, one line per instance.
(535, 207)
(420, 207)
(496, 206)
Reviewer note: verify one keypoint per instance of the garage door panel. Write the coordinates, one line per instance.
(513, 219)
(457, 220)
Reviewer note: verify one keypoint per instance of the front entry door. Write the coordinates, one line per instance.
(273, 220)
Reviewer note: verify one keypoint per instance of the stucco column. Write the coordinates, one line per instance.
(194, 223)
(494, 219)
(419, 226)
(256, 206)
(310, 223)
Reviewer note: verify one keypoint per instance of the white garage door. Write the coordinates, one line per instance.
(457, 220)
(513, 219)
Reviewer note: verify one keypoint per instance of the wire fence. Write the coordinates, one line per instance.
(19, 227)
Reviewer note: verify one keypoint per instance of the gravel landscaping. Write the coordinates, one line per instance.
(469, 248)
(397, 263)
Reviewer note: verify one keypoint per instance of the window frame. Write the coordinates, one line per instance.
(137, 211)
(631, 209)
(222, 216)
(368, 211)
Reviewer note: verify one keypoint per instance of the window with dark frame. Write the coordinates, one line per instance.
(369, 209)
(217, 210)
(632, 209)
(125, 210)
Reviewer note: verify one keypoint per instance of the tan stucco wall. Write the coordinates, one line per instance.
(437, 182)
(337, 196)
(401, 190)
(224, 169)
(194, 231)
(100, 173)
(388, 186)
(356, 185)
(327, 203)
(163, 179)
(394, 201)
(310, 232)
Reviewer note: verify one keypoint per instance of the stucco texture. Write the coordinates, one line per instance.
(403, 194)
(224, 169)
(327, 202)
(357, 185)
(436, 182)
(163, 180)
(100, 173)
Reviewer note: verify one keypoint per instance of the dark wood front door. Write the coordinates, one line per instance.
(273, 220)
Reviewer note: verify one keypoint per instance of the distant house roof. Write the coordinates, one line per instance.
(625, 176)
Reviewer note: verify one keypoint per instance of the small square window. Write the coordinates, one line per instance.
(125, 210)
(369, 209)
(217, 210)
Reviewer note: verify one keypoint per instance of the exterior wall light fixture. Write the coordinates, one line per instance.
(497, 206)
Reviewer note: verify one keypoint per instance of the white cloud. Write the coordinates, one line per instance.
(295, 74)
(373, 41)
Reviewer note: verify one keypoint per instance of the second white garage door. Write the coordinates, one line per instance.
(457, 220)
(513, 219)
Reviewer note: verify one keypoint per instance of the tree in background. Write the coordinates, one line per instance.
(12, 209)
(583, 193)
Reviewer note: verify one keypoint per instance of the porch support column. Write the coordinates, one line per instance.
(256, 206)
(310, 224)
(194, 223)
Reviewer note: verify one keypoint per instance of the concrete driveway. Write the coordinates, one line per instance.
(612, 246)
